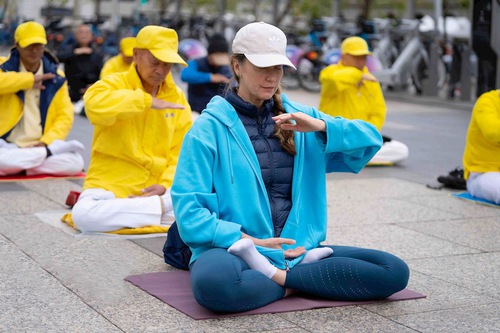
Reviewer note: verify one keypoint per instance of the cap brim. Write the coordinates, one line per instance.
(168, 56)
(361, 53)
(268, 60)
(33, 40)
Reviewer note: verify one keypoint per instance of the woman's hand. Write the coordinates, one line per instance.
(294, 253)
(274, 243)
(299, 122)
(277, 243)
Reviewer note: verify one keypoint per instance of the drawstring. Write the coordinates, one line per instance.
(230, 156)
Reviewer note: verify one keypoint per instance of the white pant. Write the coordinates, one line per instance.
(391, 152)
(35, 162)
(485, 186)
(98, 210)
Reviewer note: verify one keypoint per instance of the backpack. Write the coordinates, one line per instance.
(454, 179)
(175, 252)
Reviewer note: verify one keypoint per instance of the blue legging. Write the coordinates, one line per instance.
(223, 282)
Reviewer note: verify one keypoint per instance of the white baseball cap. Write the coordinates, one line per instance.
(264, 45)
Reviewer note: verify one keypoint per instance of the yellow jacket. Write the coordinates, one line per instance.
(342, 96)
(133, 146)
(56, 110)
(482, 146)
(114, 65)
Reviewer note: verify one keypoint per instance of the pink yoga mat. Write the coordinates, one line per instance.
(174, 289)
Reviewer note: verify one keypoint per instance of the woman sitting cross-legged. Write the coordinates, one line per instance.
(249, 193)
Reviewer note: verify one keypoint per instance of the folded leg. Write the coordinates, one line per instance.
(98, 210)
(351, 274)
(224, 282)
(13, 161)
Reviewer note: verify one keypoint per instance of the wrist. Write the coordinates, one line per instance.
(321, 125)
(253, 239)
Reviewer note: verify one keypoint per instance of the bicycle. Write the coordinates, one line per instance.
(290, 78)
(413, 63)
(386, 49)
(309, 59)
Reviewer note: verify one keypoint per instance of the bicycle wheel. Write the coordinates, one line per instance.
(420, 73)
(308, 73)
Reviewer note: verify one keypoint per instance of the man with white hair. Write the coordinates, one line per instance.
(140, 118)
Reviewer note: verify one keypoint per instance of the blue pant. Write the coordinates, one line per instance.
(223, 282)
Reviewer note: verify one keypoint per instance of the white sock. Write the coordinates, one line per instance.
(316, 254)
(60, 146)
(245, 249)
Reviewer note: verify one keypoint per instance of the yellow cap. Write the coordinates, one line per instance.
(30, 33)
(355, 46)
(127, 45)
(162, 42)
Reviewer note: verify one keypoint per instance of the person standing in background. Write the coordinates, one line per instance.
(208, 76)
(82, 64)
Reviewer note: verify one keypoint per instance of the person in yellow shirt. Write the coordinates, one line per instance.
(482, 148)
(121, 62)
(350, 91)
(36, 113)
(140, 118)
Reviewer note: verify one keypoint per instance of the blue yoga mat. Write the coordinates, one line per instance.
(467, 196)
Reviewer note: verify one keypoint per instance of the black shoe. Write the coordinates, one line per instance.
(454, 179)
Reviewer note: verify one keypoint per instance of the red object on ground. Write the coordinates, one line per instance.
(72, 198)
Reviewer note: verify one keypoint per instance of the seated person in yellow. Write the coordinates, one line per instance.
(349, 90)
(122, 61)
(36, 113)
(482, 148)
(140, 118)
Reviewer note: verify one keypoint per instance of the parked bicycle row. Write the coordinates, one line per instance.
(402, 51)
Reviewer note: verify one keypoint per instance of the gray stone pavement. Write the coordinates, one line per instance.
(53, 282)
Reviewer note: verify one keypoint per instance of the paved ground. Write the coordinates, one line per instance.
(53, 282)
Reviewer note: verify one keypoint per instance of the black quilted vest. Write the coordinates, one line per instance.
(275, 163)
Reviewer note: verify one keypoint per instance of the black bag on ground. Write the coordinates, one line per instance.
(454, 179)
(175, 252)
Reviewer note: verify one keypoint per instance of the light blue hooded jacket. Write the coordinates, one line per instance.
(218, 191)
